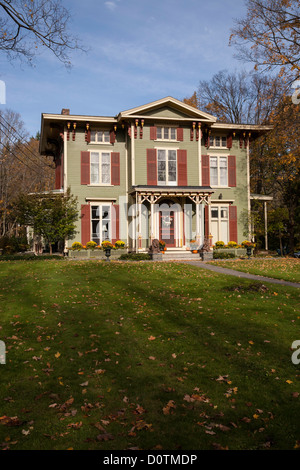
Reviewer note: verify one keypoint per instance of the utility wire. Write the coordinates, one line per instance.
(22, 141)
(16, 144)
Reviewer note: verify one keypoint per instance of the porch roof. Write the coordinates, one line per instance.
(199, 193)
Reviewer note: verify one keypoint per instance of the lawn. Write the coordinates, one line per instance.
(116, 356)
(282, 268)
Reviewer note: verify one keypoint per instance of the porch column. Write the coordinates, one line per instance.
(209, 222)
(266, 225)
(198, 234)
(139, 222)
(152, 228)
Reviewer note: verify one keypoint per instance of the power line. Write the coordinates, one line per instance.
(19, 149)
(22, 142)
(11, 151)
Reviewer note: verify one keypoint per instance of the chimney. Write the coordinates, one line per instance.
(65, 112)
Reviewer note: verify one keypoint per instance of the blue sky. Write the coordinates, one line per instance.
(138, 51)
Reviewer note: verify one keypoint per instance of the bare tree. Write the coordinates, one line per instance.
(22, 168)
(269, 35)
(240, 97)
(25, 27)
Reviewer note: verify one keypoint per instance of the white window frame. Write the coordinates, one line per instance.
(167, 182)
(102, 136)
(212, 141)
(166, 130)
(100, 169)
(100, 206)
(218, 184)
(219, 220)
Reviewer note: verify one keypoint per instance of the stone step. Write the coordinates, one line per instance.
(173, 255)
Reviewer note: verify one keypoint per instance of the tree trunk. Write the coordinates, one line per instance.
(50, 248)
(280, 243)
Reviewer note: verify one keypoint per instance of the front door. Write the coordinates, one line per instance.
(167, 227)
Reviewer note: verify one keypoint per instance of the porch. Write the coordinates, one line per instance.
(174, 215)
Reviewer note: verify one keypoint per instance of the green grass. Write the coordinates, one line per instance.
(287, 269)
(145, 356)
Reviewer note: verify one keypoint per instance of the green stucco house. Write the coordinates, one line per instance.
(164, 170)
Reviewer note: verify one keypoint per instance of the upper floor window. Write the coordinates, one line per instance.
(167, 167)
(100, 168)
(100, 137)
(218, 171)
(218, 141)
(166, 133)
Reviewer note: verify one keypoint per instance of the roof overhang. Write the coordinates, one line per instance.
(189, 112)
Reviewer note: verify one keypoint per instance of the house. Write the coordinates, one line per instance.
(164, 170)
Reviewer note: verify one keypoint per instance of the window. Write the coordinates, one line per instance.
(100, 137)
(218, 141)
(218, 171)
(166, 133)
(101, 223)
(100, 168)
(219, 223)
(167, 167)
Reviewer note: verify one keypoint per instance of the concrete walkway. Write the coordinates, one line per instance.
(231, 272)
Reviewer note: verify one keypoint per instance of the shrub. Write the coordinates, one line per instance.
(13, 244)
(223, 255)
(135, 257)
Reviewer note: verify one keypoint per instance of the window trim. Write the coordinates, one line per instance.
(166, 183)
(99, 183)
(220, 147)
(100, 142)
(162, 138)
(219, 219)
(218, 185)
(100, 205)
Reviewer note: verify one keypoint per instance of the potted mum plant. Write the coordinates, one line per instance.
(107, 247)
(249, 246)
(162, 245)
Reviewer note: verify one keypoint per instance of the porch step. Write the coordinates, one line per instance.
(179, 255)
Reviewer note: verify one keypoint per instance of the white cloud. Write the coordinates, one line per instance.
(111, 5)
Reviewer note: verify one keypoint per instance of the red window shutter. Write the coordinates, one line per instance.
(153, 133)
(85, 224)
(205, 170)
(58, 171)
(229, 141)
(206, 222)
(151, 167)
(233, 224)
(115, 168)
(112, 136)
(115, 223)
(180, 134)
(182, 168)
(231, 171)
(88, 136)
(85, 167)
